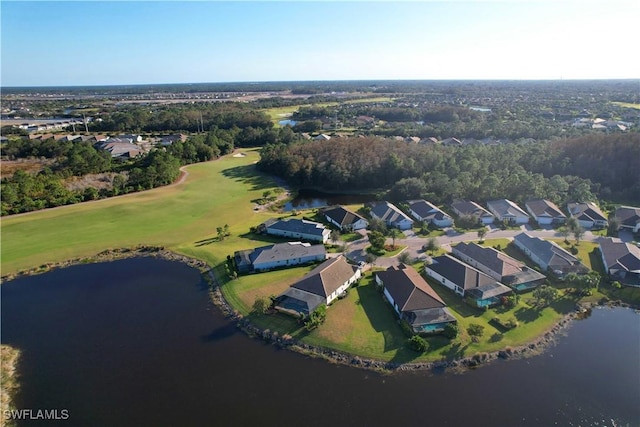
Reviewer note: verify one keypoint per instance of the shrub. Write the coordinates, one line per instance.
(261, 305)
(451, 330)
(475, 331)
(417, 343)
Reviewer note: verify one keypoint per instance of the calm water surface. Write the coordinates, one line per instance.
(310, 199)
(137, 343)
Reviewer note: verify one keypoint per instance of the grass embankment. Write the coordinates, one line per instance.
(8, 383)
(365, 325)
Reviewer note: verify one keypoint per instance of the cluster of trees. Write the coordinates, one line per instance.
(139, 119)
(552, 170)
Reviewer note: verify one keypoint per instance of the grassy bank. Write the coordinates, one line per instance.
(8, 383)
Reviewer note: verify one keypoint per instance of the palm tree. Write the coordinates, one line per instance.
(394, 233)
(481, 233)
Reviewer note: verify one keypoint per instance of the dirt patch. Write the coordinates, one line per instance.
(9, 167)
(99, 181)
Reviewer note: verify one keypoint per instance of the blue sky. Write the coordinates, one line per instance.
(101, 43)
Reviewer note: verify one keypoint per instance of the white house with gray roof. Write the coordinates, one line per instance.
(588, 215)
(549, 256)
(344, 219)
(629, 218)
(322, 285)
(545, 212)
(621, 260)
(413, 300)
(297, 229)
(278, 255)
(469, 208)
(506, 210)
(466, 280)
(391, 215)
(499, 265)
(428, 212)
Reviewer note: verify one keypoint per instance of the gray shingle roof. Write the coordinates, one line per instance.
(284, 251)
(620, 255)
(460, 273)
(409, 290)
(342, 216)
(544, 208)
(388, 212)
(628, 215)
(296, 226)
(326, 278)
(427, 210)
(549, 252)
(505, 207)
(588, 211)
(467, 207)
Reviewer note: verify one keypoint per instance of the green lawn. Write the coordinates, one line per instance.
(182, 217)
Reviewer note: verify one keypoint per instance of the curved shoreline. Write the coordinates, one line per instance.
(535, 347)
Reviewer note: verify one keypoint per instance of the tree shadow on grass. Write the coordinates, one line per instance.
(249, 175)
(208, 241)
(527, 315)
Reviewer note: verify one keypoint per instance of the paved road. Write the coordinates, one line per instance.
(356, 249)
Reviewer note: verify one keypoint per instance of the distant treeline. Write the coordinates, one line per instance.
(603, 166)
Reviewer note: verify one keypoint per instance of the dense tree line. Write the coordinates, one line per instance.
(182, 117)
(572, 169)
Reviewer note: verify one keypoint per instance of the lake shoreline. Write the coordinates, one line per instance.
(535, 347)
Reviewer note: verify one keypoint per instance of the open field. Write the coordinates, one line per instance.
(181, 217)
(627, 104)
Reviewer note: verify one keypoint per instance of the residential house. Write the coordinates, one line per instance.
(629, 218)
(170, 139)
(413, 300)
(506, 210)
(621, 260)
(469, 208)
(278, 255)
(322, 285)
(588, 215)
(467, 281)
(391, 215)
(344, 219)
(451, 141)
(545, 212)
(296, 229)
(322, 137)
(428, 212)
(499, 265)
(549, 256)
(119, 148)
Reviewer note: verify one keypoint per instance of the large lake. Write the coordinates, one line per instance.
(137, 343)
